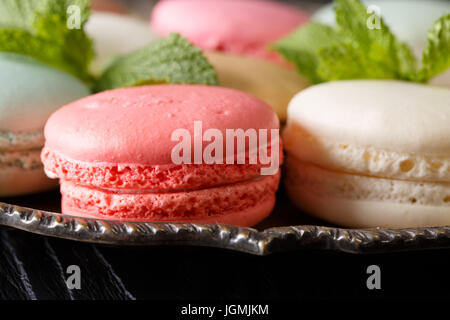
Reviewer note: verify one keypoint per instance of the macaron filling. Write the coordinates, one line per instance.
(21, 140)
(21, 150)
(28, 159)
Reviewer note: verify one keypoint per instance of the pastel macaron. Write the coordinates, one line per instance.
(244, 27)
(408, 20)
(233, 34)
(270, 82)
(108, 6)
(29, 92)
(116, 34)
(113, 154)
(370, 153)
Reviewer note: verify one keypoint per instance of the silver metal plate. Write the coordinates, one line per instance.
(276, 234)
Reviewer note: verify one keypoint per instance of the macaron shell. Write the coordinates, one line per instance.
(367, 214)
(30, 91)
(201, 204)
(366, 160)
(243, 218)
(366, 202)
(16, 181)
(135, 125)
(243, 27)
(272, 83)
(386, 115)
(115, 35)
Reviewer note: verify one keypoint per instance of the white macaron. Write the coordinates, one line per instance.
(370, 153)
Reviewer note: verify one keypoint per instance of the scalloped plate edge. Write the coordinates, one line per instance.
(246, 240)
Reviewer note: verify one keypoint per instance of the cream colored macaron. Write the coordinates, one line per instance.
(116, 34)
(370, 153)
(271, 82)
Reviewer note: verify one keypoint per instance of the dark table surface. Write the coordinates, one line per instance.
(34, 267)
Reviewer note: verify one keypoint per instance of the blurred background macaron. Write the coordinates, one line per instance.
(113, 153)
(234, 34)
(409, 20)
(29, 92)
(116, 34)
(109, 6)
(368, 153)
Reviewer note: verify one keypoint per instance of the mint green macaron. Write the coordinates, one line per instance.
(30, 92)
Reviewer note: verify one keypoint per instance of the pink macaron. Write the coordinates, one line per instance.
(244, 27)
(116, 155)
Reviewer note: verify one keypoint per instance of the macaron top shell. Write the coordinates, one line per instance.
(244, 26)
(30, 91)
(386, 115)
(135, 125)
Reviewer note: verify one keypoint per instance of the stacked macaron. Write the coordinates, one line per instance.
(29, 92)
(236, 36)
(374, 151)
(370, 153)
(113, 153)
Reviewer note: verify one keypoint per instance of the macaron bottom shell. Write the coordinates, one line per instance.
(360, 201)
(17, 181)
(243, 203)
(368, 214)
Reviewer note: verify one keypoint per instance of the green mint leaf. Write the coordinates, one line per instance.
(302, 47)
(39, 28)
(354, 49)
(379, 46)
(17, 14)
(344, 62)
(169, 60)
(436, 56)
